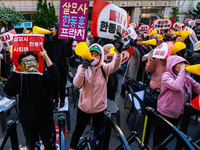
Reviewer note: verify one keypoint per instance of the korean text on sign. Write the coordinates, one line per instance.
(73, 19)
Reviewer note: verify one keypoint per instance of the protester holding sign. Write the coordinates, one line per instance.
(58, 51)
(176, 88)
(93, 97)
(157, 67)
(35, 105)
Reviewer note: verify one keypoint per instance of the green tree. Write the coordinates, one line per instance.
(175, 11)
(45, 15)
(9, 16)
(195, 12)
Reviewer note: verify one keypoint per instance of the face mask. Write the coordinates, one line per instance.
(95, 61)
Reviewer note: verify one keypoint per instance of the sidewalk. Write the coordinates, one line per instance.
(114, 142)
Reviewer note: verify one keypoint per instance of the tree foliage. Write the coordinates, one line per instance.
(10, 16)
(175, 11)
(45, 14)
(195, 12)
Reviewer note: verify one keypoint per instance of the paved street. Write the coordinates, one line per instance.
(114, 143)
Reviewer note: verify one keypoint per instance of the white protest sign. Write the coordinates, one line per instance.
(7, 39)
(128, 35)
(192, 35)
(163, 24)
(143, 28)
(197, 21)
(177, 27)
(192, 22)
(107, 19)
(163, 51)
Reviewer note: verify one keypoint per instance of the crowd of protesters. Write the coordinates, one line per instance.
(38, 95)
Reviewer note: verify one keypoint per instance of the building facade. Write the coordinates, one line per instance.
(143, 11)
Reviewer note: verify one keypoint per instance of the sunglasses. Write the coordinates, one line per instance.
(52, 28)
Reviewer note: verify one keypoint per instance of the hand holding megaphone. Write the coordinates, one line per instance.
(87, 63)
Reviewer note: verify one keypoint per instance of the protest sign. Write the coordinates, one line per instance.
(128, 35)
(26, 49)
(126, 55)
(186, 21)
(197, 21)
(74, 45)
(73, 19)
(143, 28)
(192, 23)
(163, 51)
(134, 25)
(107, 19)
(192, 35)
(163, 24)
(7, 39)
(177, 27)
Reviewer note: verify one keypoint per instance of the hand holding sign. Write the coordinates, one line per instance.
(44, 55)
(118, 42)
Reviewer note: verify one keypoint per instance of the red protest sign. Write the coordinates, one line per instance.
(107, 19)
(126, 55)
(143, 28)
(26, 49)
(163, 24)
(134, 25)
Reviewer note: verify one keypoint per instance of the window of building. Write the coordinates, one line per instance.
(149, 14)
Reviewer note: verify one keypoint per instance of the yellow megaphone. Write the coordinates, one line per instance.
(160, 37)
(166, 17)
(195, 69)
(39, 30)
(83, 51)
(184, 35)
(177, 47)
(177, 33)
(154, 31)
(112, 50)
(150, 42)
(11, 49)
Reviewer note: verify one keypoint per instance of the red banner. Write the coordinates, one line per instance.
(26, 49)
(126, 55)
(107, 19)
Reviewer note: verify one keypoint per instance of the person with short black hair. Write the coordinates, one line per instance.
(59, 51)
(167, 36)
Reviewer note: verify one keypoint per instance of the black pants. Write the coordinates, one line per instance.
(111, 92)
(81, 123)
(46, 131)
(58, 90)
(160, 131)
